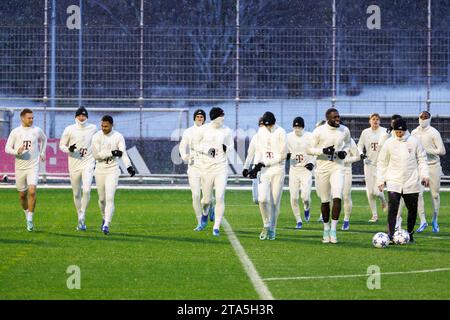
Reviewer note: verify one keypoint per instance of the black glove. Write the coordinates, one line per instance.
(131, 171)
(117, 153)
(341, 155)
(328, 150)
(309, 166)
(288, 156)
(245, 173)
(212, 152)
(252, 174)
(72, 147)
(363, 156)
(224, 147)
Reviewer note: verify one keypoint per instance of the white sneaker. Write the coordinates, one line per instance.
(333, 237)
(374, 219)
(326, 236)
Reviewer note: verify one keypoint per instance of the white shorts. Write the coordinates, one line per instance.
(25, 178)
(330, 185)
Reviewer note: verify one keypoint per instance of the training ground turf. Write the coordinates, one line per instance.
(152, 252)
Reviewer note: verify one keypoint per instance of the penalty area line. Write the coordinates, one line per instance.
(357, 275)
(256, 280)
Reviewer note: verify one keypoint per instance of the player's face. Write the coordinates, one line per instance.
(81, 117)
(199, 120)
(334, 119)
(27, 119)
(399, 133)
(374, 122)
(424, 115)
(106, 127)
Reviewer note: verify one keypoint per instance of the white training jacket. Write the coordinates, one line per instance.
(432, 143)
(326, 136)
(102, 145)
(402, 164)
(370, 140)
(29, 138)
(271, 148)
(251, 153)
(353, 156)
(81, 136)
(212, 137)
(298, 147)
(187, 151)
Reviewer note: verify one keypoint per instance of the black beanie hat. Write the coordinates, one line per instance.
(81, 110)
(298, 122)
(400, 124)
(201, 112)
(215, 113)
(268, 118)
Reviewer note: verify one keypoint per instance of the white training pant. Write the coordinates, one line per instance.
(435, 187)
(81, 181)
(330, 184)
(372, 191)
(106, 189)
(195, 177)
(270, 190)
(215, 179)
(300, 180)
(25, 178)
(347, 192)
(255, 183)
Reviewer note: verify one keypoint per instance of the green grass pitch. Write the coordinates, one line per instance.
(153, 252)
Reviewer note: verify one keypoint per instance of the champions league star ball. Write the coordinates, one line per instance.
(380, 240)
(401, 237)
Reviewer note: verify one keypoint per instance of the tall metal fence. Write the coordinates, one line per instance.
(246, 69)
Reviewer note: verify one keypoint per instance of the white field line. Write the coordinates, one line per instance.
(356, 275)
(248, 265)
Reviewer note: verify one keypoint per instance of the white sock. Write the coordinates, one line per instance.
(422, 218)
(106, 224)
(326, 226)
(30, 216)
(26, 214)
(334, 224)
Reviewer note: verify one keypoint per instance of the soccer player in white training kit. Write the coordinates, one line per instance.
(368, 145)
(330, 143)
(271, 152)
(193, 160)
(402, 165)
(353, 156)
(300, 170)
(76, 141)
(23, 143)
(214, 141)
(249, 160)
(108, 147)
(434, 147)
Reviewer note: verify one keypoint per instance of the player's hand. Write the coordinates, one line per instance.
(245, 173)
(363, 156)
(42, 156)
(72, 147)
(212, 152)
(131, 171)
(309, 166)
(20, 150)
(367, 162)
(425, 182)
(259, 165)
(224, 147)
(328, 150)
(117, 153)
(381, 187)
(342, 154)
